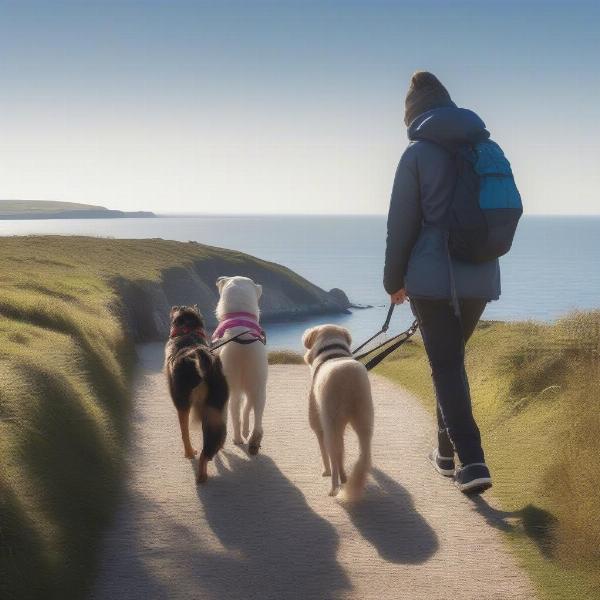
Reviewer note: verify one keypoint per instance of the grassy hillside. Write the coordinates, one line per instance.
(45, 206)
(535, 392)
(48, 209)
(65, 361)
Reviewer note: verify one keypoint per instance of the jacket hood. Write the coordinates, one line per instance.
(448, 125)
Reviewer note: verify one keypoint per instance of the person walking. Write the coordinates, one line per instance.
(447, 295)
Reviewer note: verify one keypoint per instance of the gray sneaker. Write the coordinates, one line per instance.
(474, 478)
(444, 465)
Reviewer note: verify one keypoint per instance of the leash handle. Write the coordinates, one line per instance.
(385, 327)
(386, 324)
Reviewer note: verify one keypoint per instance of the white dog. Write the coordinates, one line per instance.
(244, 359)
(340, 394)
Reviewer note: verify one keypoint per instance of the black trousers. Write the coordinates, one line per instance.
(444, 336)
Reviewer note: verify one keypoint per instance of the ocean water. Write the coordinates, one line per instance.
(551, 270)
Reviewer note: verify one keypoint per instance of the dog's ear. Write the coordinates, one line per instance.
(309, 337)
(174, 309)
(196, 308)
(258, 290)
(221, 281)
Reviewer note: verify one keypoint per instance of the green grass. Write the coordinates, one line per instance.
(285, 357)
(64, 369)
(65, 364)
(535, 393)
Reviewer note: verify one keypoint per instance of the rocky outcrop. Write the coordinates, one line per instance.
(339, 296)
(145, 305)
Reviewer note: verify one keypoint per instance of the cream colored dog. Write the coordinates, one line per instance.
(340, 394)
(244, 361)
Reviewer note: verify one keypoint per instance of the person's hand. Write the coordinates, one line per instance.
(398, 297)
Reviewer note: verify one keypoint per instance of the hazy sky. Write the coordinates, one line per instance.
(255, 106)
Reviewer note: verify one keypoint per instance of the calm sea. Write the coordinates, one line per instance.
(552, 269)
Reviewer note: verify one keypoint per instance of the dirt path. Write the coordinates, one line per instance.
(265, 527)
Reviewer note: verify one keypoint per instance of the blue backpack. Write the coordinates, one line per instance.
(486, 205)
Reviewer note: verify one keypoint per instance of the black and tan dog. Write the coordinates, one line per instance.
(196, 381)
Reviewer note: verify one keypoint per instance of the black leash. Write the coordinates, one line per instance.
(397, 340)
(235, 338)
(390, 345)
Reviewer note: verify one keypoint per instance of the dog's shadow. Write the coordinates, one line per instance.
(259, 514)
(387, 519)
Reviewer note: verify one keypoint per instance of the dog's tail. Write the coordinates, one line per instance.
(212, 410)
(357, 479)
(210, 370)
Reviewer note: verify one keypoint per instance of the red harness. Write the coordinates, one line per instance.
(185, 330)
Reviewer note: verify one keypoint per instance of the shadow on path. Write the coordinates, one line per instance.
(135, 568)
(534, 522)
(387, 519)
(286, 550)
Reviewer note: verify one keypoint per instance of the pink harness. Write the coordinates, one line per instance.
(240, 319)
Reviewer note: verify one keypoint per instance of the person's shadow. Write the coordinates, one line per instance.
(285, 549)
(386, 518)
(536, 523)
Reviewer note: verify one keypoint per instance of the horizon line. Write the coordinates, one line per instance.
(270, 214)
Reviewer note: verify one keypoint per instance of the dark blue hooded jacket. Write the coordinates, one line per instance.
(416, 255)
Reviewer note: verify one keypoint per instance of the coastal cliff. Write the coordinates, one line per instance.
(286, 295)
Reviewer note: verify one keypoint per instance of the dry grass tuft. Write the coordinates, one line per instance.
(285, 357)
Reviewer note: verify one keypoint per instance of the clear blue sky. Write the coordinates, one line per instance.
(256, 106)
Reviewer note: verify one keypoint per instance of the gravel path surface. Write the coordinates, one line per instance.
(265, 527)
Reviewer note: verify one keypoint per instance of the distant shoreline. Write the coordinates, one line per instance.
(25, 210)
(77, 214)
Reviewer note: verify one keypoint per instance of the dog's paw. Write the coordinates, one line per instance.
(326, 473)
(334, 491)
(202, 472)
(190, 453)
(254, 443)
